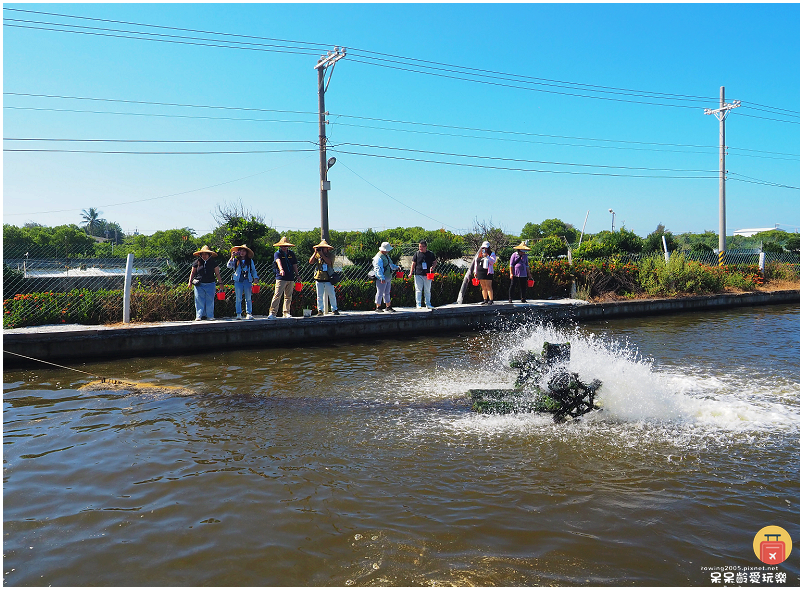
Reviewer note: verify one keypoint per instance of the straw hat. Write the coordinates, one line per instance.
(386, 247)
(205, 250)
(242, 247)
(283, 242)
(323, 244)
(521, 246)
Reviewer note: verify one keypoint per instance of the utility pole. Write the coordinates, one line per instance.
(324, 62)
(721, 113)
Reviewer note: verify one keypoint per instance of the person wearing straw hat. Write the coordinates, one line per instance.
(518, 271)
(285, 265)
(484, 271)
(383, 267)
(244, 275)
(204, 277)
(322, 259)
(422, 263)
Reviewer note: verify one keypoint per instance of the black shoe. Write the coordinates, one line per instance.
(510, 301)
(490, 302)
(335, 312)
(390, 308)
(484, 302)
(523, 301)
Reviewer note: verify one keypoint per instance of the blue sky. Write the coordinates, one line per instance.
(589, 153)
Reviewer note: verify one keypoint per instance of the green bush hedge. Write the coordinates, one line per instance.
(553, 279)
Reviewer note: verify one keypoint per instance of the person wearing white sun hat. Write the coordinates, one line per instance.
(383, 267)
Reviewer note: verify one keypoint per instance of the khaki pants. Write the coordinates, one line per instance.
(283, 289)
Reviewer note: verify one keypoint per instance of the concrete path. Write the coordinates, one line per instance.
(60, 342)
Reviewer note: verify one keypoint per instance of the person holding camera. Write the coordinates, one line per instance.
(244, 275)
(322, 259)
(204, 277)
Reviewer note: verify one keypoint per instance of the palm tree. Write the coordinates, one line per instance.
(90, 217)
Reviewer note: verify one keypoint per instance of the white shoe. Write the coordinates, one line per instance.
(250, 317)
(270, 317)
(198, 319)
(238, 316)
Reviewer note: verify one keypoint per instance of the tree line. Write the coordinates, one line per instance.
(237, 225)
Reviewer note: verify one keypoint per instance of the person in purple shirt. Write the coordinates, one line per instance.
(518, 270)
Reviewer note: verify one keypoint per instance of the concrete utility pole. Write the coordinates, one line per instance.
(721, 113)
(324, 186)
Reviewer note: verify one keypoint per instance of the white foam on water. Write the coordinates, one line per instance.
(633, 391)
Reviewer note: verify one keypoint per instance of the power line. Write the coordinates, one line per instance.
(156, 198)
(155, 115)
(162, 140)
(741, 178)
(161, 153)
(515, 159)
(768, 118)
(365, 118)
(311, 48)
(397, 200)
(466, 165)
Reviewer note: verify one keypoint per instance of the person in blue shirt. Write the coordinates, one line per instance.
(383, 267)
(285, 265)
(244, 275)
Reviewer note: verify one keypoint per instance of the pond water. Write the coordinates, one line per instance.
(362, 464)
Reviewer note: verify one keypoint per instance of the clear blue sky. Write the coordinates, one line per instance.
(590, 153)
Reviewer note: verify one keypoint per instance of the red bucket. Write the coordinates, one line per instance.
(221, 295)
(256, 288)
(400, 274)
(530, 282)
(298, 287)
(430, 276)
(476, 282)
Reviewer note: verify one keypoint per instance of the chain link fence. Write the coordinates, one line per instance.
(53, 287)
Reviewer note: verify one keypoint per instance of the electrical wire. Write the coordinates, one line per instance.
(161, 153)
(435, 69)
(398, 200)
(156, 198)
(466, 165)
(751, 180)
(163, 140)
(379, 119)
(513, 159)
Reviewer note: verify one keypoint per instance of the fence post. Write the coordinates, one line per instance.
(573, 292)
(666, 252)
(762, 259)
(126, 300)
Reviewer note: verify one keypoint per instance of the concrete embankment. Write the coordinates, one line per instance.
(76, 342)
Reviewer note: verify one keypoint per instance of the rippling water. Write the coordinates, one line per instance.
(361, 464)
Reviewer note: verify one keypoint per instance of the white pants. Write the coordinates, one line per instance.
(383, 292)
(422, 283)
(325, 291)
